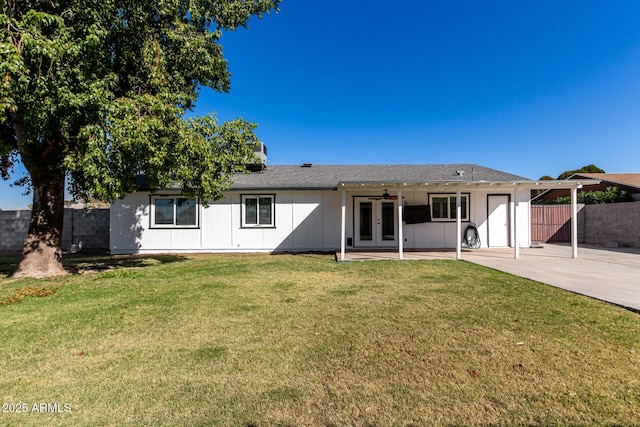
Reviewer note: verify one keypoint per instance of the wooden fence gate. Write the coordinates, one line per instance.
(551, 223)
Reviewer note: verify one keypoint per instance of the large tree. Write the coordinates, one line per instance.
(585, 169)
(95, 92)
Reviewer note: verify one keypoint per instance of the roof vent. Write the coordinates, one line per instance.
(459, 173)
(306, 165)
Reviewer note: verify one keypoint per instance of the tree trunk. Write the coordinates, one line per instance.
(42, 252)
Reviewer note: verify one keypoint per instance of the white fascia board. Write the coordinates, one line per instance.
(478, 185)
(573, 183)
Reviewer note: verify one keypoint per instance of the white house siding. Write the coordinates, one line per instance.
(305, 220)
(126, 221)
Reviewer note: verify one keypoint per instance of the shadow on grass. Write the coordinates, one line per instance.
(80, 264)
(8, 264)
(308, 254)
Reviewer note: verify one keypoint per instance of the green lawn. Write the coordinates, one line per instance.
(301, 340)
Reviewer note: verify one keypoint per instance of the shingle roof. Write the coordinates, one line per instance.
(329, 176)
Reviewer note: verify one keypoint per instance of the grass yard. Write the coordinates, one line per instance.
(246, 340)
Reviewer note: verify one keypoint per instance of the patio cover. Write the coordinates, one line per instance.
(458, 186)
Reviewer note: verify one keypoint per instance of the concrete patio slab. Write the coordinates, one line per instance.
(608, 274)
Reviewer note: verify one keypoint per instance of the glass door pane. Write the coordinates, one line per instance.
(388, 223)
(366, 221)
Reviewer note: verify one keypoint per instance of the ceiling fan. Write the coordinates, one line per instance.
(385, 196)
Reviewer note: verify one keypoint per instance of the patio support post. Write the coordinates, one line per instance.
(574, 222)
(343, 226)
(516, 245)
(400, 234)
(458, 224)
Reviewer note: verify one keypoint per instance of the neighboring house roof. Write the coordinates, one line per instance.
(629, 182)
(628, 179)
(319, 177)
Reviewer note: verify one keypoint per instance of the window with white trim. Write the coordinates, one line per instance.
(443, 207)
(174, 211)
(258, 210)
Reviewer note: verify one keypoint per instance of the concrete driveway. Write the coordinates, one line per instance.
(608, 274)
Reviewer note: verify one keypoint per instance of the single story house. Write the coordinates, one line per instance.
(629, 182)
(334, 208)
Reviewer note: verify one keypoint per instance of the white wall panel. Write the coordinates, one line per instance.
(129, 219)
(308, 220)
(331, 211)
(184, 239)
(216, 223)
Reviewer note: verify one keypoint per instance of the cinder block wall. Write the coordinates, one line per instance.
(614, 223)
(83, 230)
(86, 230)
(13, 229)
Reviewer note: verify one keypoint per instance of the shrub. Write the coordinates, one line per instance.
(609, 195)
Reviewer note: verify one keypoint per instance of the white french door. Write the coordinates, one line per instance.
(375, 222)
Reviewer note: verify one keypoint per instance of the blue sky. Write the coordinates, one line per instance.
(528, 87)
